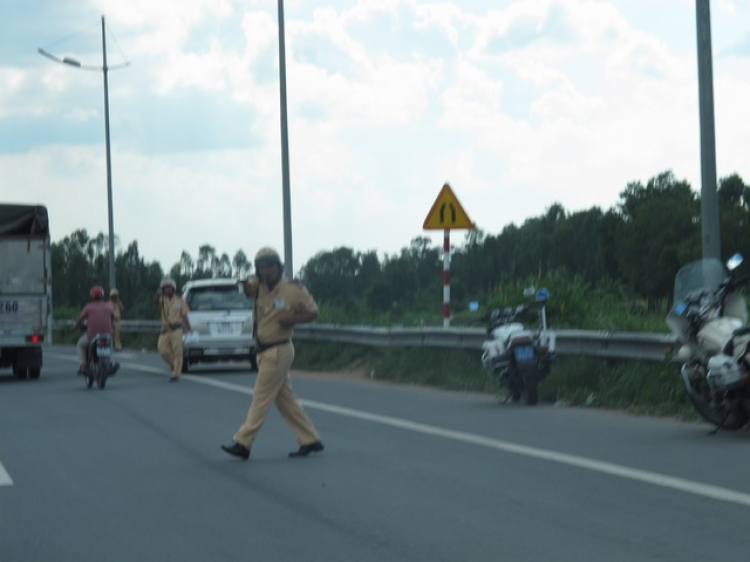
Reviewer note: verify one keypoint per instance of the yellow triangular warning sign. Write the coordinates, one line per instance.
(447, 213)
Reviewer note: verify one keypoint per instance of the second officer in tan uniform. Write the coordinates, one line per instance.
(174, 316)
(118, 308)
(279, 305)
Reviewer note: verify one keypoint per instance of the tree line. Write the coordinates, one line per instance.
(634, 249)
(80, 262)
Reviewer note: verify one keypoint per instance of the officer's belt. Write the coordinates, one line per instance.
(261, 347)
(170, 328)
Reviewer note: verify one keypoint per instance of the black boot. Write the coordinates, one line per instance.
(304, 450)
(237, 450)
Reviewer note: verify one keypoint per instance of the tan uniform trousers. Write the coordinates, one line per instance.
(116, 334)
(273, 384)
(170, 348)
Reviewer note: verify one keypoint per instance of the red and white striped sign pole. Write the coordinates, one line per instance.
(446, 214)
(447, 279)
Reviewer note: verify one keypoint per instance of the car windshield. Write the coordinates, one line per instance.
(218, 298)
(700, 274)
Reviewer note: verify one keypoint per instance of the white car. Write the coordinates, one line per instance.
(222, 320)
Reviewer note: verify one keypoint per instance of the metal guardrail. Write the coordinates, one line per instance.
(131, 326)
(620, 345)
(615, 345)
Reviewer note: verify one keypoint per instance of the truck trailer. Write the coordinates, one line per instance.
(25, 288)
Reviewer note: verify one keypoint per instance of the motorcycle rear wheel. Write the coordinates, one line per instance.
(509, 380)
(526, 380)
(101, 375)
(531, 382)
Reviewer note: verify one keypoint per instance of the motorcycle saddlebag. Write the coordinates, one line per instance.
(716, 333)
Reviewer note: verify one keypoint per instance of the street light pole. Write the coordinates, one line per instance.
(105, 69)
(112, 276)
(288, 266)
(710, 221)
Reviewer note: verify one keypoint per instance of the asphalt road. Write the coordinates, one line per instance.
(135, 472)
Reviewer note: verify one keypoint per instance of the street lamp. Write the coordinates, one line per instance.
(73, 62)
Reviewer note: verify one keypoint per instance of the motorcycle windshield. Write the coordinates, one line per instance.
(697, 275)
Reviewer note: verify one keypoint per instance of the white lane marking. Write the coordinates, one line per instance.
(5, 479)
(654, 478)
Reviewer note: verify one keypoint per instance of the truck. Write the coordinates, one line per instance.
(25, 288)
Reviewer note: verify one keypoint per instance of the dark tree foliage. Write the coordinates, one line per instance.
(658, 231)
(334, 276)
(575, 246)
(80, 262)
(636, 246)
(138, 282)
(734, 208)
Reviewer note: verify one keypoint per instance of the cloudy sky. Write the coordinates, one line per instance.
(516, 104)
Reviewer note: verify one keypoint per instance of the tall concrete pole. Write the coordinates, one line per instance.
(112, 276)
(288, 265)
(710, 224)
(105, 69)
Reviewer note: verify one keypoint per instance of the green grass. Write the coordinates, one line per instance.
(637, 387)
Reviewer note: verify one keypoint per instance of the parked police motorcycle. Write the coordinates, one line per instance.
(99, 364)
(517, 356)
(709, 320)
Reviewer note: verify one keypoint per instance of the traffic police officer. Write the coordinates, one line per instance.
(174, 315)
(117, 308)
(279, 305)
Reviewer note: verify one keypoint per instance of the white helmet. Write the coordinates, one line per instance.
(267, 256)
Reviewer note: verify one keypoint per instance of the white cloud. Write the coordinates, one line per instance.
(518, 104)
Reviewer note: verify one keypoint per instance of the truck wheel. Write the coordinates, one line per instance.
(35, 372)
(253, 362)
(20, 373)
(185, 365)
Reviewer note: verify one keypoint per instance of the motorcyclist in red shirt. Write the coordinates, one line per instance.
(99, 316)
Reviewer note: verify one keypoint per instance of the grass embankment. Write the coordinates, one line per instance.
(638, 387)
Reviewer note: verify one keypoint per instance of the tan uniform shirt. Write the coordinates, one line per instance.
(173, 312)
(269, 305)
(117, 308)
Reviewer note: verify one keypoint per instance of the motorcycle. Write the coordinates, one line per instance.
(519, 357)
(99, 365)
(709, 321)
